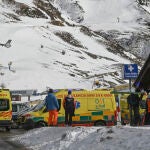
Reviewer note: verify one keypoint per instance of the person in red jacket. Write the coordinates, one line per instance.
(147, 116)
(69, 106)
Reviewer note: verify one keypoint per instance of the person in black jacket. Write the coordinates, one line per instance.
(69, 106)
(133, 102)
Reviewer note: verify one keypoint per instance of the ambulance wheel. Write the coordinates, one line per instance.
(123, 123)
(29, 124)
(41, 124)
(7, 128)
(100, 123)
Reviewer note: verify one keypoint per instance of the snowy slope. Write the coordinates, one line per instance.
(110, 14)
(37, 44)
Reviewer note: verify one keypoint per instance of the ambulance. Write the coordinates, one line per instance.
(5, 109)
(125, 113)
(95, 107)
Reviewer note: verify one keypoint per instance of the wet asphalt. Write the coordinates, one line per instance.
(5, 139)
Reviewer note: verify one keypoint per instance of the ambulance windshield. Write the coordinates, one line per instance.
(4, 104)
(39, 106)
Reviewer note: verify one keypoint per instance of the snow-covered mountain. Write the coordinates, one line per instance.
(69, 43)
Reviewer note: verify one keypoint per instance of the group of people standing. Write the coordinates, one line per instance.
(134, 103)
(53, 107)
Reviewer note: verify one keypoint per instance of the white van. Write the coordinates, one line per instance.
(17, 107)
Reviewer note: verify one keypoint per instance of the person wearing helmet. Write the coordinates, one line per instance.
(69, 106)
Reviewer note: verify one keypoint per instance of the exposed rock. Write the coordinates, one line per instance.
(67, 37)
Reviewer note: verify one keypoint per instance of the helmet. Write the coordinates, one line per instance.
(69, 91)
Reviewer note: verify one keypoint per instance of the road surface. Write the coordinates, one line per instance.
(6, 143)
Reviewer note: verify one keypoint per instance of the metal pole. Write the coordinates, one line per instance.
(130, 85)
(119, 113)
(130, 107)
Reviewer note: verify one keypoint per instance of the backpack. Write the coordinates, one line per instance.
(69, 102)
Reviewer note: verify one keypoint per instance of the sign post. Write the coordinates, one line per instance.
(130, 72)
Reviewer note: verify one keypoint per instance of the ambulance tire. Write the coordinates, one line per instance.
(123, 123)
(100, 123)
(29, 124)
(7, 128)
(41, 124)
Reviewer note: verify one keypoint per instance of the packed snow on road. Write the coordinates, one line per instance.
(86, 138)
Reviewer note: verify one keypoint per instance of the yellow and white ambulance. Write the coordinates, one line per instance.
(124, 108)
(94, 107)
(5, 109)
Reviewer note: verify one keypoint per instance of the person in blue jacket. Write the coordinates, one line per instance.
(52, 107)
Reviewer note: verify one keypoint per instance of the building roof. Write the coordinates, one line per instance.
(143, 80)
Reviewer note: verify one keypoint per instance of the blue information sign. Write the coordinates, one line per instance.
(130, 71)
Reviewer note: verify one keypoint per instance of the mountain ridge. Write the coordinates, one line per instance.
(89, 54)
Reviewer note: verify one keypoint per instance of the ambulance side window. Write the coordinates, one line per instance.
(59, 102)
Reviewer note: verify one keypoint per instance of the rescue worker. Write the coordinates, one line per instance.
(69, 106)
(97, 84)
(133, 102)
(147, 116)
(117, 115)
(52, 107)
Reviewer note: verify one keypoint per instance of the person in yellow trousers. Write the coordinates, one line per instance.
(52, 107)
